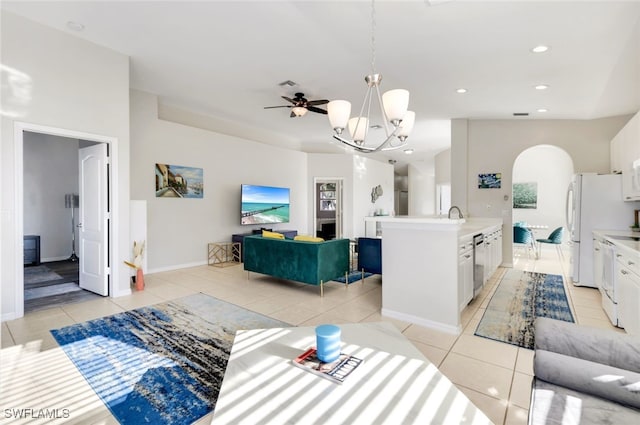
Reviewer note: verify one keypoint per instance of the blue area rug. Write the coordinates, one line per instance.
(353, 276)
(161, 364)
(518, 300)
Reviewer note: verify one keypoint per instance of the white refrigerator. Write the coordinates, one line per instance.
(594, 202)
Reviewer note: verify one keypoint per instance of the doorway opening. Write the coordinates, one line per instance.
(541, 176)
(53, 168)
(327, 216)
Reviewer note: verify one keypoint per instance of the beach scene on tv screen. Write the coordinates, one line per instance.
(264, 204)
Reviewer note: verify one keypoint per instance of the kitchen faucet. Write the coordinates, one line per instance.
(459, 212)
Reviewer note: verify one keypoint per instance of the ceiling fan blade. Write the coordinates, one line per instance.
(317, 102)
(281, 106)
(318, 110)
(289, 99)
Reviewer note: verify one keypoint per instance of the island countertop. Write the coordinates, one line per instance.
(420, 263)
(464, 226)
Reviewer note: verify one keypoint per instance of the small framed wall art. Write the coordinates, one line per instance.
(525, 195)
(175, 181)
(490, 181)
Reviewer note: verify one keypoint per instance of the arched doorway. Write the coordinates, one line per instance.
(541, 176)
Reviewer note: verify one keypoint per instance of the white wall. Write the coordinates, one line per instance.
(50, 172)
(551, 168)
(443, 167)
(367, 174)
(60, 81)
(178, 230)
(422, 188)
(459, 164)
(487, 146)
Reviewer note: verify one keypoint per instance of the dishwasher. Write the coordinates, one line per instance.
(479, 256)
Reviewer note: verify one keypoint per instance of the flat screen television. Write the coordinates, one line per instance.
(264, 204)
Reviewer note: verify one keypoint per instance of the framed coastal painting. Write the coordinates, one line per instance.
(525, 195)
(177, 181)
(490, 181)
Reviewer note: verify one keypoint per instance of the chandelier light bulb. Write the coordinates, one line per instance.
(406, 125)
(358, 127)
(395, 104)
(339, 112)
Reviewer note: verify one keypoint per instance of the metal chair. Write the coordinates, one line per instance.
(523, 236)
(554, 238)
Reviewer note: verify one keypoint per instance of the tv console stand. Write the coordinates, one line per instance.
(239, 238)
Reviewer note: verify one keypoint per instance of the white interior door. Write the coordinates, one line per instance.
(93, 219)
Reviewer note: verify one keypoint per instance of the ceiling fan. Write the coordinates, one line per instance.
(301, 105)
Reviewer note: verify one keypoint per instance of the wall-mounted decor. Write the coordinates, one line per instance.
(376, 192)
(525, 195)
(175, 181)
(490, 181)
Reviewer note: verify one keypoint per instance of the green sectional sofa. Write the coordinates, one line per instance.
(308, 262)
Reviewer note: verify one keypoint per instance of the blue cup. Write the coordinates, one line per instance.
(328, 343)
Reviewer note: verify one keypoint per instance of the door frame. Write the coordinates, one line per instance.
(339, 203)
(18, 220)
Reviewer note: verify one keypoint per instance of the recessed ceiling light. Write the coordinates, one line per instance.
(75, 26)
(540, 49)
(461, 90)
(542, 87)
(408, 151)
(542, 110)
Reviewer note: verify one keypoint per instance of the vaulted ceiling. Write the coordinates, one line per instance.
(225, 59)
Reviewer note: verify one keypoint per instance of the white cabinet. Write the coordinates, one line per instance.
(493, 252)
(598, 265)
(628, 285)
(465, 272)
(625, 158)
(616, 154)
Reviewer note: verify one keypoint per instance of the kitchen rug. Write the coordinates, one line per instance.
(517, 301)
(161, 364)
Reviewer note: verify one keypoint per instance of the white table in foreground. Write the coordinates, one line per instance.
(395, 384)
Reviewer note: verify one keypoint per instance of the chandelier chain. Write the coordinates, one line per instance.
(373, 37)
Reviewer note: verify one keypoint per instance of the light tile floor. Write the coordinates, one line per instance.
(495, 376)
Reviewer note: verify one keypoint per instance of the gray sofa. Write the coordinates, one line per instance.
(584, 375)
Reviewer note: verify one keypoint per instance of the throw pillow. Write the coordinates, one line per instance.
(307, 238)
(275, 235)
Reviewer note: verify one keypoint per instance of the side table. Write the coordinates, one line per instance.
(223, 254)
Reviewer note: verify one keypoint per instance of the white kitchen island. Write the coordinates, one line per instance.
(420, 267)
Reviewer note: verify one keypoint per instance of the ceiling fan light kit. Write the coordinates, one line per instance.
(299, 111)
(393, 104)
(300, 105)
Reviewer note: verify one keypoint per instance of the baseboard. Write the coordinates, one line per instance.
(51, 259)
(176, 267)
(454, 330)
(122, 293)
(8, 316)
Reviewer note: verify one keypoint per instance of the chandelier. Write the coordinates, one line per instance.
(397, 121)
